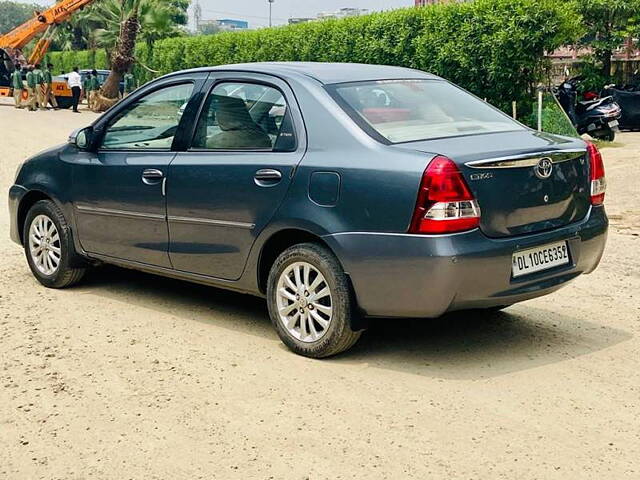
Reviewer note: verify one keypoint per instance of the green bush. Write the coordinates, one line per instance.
(554, 119)
(590, 69)
(65, 61)
(494, 48)
(101, 61)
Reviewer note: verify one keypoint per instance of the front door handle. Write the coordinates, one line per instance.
(267, 177)
(152, 176)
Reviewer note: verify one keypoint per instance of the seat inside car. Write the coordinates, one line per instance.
(238, 130)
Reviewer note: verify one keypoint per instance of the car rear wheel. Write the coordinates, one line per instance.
(48, 246)
(607, 135)
(64, 102)
(310, 302)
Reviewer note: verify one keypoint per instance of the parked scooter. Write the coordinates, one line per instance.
(597, 117)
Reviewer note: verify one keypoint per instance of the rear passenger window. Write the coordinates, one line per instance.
(243, 116)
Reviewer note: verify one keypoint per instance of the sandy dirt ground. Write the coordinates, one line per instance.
(134, 376)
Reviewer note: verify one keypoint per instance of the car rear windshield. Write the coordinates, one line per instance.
(409, 110)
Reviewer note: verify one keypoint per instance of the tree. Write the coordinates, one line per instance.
(125, 21)
(208, 28)
(179, 14)
(13, 14)
(609, 23)
(77, 33)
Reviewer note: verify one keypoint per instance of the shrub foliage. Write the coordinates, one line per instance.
(494, 48)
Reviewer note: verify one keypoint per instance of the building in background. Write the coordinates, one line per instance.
(294, 20)
(341, 13)
(209, 27)
(230, 24)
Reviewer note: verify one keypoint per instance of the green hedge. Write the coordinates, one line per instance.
(64, 62)
(494, 48)
(554, 119)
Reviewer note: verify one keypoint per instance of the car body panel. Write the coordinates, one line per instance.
(116, 213)
(215, 205)
(426, 276)
(513, 200)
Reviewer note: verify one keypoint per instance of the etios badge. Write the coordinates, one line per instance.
(544, 168)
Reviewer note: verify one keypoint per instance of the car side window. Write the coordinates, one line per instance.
(150, 122)
(242, 116)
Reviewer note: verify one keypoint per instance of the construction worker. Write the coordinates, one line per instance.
(39, 84)
(31, 89)
(75, 83)
(95, 86)
(18, 86)
(49, 97)
(129, 83)
(86, 89)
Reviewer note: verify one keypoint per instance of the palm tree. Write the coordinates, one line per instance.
(124, 21)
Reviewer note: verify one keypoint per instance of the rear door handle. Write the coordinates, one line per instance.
(267, 176)
(152, 176)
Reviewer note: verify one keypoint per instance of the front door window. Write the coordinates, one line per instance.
(150, 122)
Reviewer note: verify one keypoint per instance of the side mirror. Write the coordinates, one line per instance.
(81, 138)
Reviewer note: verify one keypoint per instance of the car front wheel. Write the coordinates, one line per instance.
(49, 247)
(310, 302)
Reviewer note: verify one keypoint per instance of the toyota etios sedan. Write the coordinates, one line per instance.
(337, 191)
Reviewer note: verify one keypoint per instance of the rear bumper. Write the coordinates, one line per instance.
(402, 275)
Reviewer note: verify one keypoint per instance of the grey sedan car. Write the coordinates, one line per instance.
(339, 192)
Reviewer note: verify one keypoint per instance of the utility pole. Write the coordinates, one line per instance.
(270, 4)
(197, 15)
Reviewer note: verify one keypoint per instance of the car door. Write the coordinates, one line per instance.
(223, 190)
(120, 206)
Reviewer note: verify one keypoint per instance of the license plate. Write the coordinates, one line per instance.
(613, 124)
(539, 258)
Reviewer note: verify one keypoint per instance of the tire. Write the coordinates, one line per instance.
(64, 102)
(59, 244)
(606, 135)
(329, 316)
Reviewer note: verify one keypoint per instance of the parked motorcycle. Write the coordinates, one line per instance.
(597, 117)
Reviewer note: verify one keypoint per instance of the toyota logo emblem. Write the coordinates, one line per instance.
(544, 168)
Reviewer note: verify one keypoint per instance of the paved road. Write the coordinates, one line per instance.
(134, 376)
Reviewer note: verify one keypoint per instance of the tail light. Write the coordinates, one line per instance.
(596, 175)
(445, 204)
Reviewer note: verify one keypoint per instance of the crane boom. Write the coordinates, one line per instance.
(23, 34)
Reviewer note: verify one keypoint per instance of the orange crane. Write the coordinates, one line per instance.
(12, 43)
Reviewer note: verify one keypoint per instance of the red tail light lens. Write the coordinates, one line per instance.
(445, 204)
(596, 175)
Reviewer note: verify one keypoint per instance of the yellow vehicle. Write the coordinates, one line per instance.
(62, 91)
(12, 43)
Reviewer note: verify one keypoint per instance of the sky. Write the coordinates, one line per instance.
(256, 12)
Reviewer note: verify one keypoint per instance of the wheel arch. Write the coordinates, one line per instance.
(277, 243)
(29, 200)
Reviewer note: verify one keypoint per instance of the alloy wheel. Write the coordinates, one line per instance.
(44, 245)
(304, 302)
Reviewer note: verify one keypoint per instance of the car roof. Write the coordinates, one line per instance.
(326, 73)
(86, 70)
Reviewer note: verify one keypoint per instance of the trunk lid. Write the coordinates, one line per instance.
(524, 181)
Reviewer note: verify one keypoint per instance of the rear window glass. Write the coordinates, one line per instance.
(411, 110)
